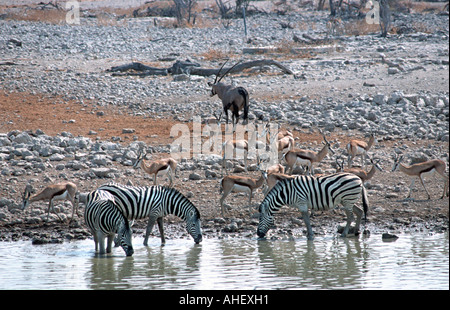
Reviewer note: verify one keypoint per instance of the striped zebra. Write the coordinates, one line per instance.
(315, 193)
(104, 220)
(155, 202)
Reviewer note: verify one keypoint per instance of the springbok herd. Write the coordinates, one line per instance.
(236, 99)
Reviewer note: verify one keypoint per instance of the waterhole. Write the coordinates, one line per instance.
(413, 261)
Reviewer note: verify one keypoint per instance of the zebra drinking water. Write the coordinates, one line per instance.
(104, 219)
(155, 202)
(315, 193)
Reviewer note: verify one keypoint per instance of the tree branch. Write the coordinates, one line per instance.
(193, 68)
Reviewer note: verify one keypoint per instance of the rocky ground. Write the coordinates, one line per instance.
(65, 117)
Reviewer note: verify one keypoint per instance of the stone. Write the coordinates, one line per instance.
(194, 177)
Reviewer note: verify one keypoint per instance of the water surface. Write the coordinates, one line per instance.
(419, 261)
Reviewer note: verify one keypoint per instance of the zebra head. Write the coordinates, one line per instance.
(193, 226)
(124, 235)
(265, 220)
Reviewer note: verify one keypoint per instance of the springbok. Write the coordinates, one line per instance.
(361, 173)
(358, 147)
(274, 178)
(228, 149)
(213, 127)
(233, 98)
(165, 166)
(306, 157)
(60, 191)
(282, 133)
(240, 184)
(284, 144)
(427, 168)
(284, 139)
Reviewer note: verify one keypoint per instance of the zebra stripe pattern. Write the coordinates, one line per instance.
(104, 220)
(155, 202)
(315, 193)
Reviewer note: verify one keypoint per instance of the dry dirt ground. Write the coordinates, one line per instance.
(389, 211)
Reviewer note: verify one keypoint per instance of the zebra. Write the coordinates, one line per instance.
(104, 219)
(155, 202)
(315, 193)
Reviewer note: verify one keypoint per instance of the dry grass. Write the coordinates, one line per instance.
(359, 27)
(215, 54)
(51, 16)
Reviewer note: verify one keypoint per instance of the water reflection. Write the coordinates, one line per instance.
(150, 268)
(335, 263)
(411, 262)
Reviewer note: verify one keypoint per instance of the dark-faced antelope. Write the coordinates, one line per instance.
(60, 191)
(358, 147)
(240, 184)
(165, 166)
(306, 157)
(234, 99)
(427, 168)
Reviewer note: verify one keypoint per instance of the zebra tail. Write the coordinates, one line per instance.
(365, 201)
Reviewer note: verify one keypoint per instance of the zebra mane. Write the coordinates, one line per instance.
(274, 193)
(177, 192)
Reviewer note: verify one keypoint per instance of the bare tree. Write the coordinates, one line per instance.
(385, 17)
(224, 9)
(184, 10)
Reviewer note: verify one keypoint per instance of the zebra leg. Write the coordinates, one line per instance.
(349, 214)
(159, 220)
(109, 244)
(101, 241)
(96, 241)
(310, 233)
(359, 212)
(151, 222)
